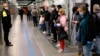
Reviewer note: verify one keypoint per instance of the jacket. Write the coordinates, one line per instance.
(54, 16)
(6, 21)
(84, 29)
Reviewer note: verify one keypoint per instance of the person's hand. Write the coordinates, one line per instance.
(55, 25)
(75, 22)
(66, 28)
(54, 21)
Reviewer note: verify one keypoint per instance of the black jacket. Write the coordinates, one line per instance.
(21, 12)
(6, 21)
(97, 23)
(47, 16)
(54, 16)
(92, 29)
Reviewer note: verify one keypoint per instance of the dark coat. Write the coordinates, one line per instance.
(92, 28)
(54, 16)
(84, 29)
(6, 21)
(21, 12)
(47, 16)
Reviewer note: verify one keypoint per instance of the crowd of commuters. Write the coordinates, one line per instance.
(53, 20)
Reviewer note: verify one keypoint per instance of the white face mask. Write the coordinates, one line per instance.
(6, 8)
(58, 13)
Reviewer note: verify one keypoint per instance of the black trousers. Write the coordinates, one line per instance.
(35, 20)
(29, 17)
(21, 17)
(6, 34)
(53, 29)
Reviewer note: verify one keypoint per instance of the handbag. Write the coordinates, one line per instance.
(62, 35)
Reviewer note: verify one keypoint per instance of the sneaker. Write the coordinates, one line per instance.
(54, 41)
(48, 34)
(57, 45)
(44, 32)
(9, 44)
(60, 50)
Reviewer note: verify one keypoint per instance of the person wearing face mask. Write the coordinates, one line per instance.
(75, 28)
(6, 21)
(62, 29)
(84, 31)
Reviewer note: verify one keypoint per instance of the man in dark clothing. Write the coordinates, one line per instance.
(34, 15)
(6, 21)
(29, 15)
(95, 28)
(47, 21)
(54, 15)
(21, 12)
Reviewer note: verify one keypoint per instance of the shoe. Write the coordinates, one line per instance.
(60, 50)
(9, 44)
(44, 32)
(57, 45)
(54, 41)
(48, 34)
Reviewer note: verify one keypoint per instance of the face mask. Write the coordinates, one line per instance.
(58, 13)
(81, 13)
(6, 8)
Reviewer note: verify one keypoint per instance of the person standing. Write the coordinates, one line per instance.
(53, 18)
(34, 15)
(47, 21)
(42, 12)
(28, 15)
(6, 21)
(84, 31)
(95, 27)
(62, 29)
(75, 26)
(21, 12)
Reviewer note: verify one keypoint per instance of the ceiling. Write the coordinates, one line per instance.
(24, 2)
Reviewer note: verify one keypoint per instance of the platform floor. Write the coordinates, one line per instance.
(29, 41)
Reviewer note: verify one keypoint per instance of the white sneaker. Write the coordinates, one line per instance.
(60, 50)
(44, 32)
(57, 45)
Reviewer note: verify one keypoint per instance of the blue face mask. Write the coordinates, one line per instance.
(81, 14)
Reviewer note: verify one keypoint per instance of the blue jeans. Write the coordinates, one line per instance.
(87, 49)
(97, 44)
(42, 27)
(47, 27)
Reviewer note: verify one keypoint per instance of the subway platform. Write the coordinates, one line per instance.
(27, 40)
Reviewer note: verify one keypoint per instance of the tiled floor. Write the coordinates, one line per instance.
(29, 41)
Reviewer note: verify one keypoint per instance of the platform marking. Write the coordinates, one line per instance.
(31, 49)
